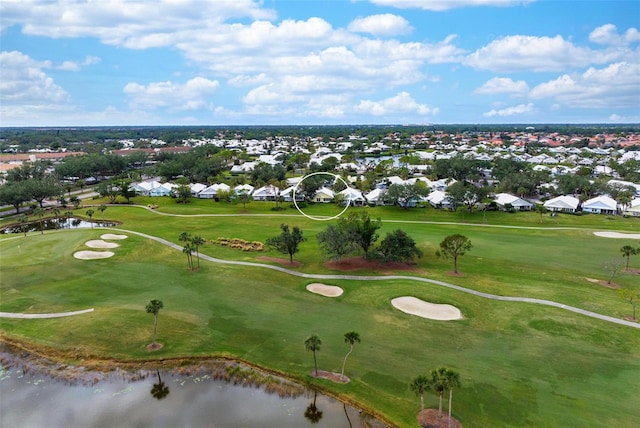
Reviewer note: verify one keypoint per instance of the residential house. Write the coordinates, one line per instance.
(602, 204)
(502, 199)
(439, 199)
(287, 194)
(353, 197)
(633, 209)
(164, 189)
(376, 197)
(266, 193)
(323, 195)
(212, 191)
(197, 188)
(564, 203)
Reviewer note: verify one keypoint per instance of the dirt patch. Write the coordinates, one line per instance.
(92, 255)
(603, 283)
(428, 418)
(99, 243)
(325, 290)
(360, 263)
(617, 235)
(283, 262)
(413, 306)
(154, 346)
(334, 377)
(112, 236)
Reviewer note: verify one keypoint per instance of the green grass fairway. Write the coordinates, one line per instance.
(521, 365)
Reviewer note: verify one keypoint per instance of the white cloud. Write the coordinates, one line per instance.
(615, 86)
(192, 95)
(402, 103)
(24, 82)
(607, 35)
(530, 53)
(381, 25)
(76, 66)
(510, 111)
(439, 5)
(503, 85)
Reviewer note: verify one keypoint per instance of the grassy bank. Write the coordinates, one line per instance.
(521, 364)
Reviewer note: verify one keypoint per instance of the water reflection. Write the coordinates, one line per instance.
(55, 223)
(195, 401)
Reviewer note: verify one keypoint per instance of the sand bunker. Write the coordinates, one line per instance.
(617, 235)
(413, 306)
(112, 236)
(91, 255)
(99, 243)
(325, 290)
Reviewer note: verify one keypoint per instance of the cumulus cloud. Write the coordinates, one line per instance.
(192, 95)
(439, 5)
(615, 86)
(503, 85)
(531, 53)
(402, 103)
(510, 111)
(381, 25)
(607, 35)
(24, 81)
(77, 66)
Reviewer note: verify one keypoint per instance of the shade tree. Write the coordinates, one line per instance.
(454, 246)
(288, 240)
(397, 246)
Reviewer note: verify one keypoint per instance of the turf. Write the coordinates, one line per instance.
(520, 364)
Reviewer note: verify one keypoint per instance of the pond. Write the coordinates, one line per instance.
(161, 399)
(54, 224)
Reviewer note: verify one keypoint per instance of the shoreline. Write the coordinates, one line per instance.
(81, 368)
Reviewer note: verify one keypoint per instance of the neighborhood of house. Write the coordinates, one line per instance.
(552, 153)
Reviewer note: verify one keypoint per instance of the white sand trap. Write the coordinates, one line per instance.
(113, 236)
(618, 235)
(325, 290)
(99, 243)
(91, 255)
(433, 311)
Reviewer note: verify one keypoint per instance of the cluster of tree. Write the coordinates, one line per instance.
(357, 233)
(29, 182)
(192, 246)
(439, 381)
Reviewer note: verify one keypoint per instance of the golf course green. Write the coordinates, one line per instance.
(520, 364)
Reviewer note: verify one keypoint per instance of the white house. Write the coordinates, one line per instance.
(439, 199)
(197, 188)
(212, 191)
(287, 194)
(502, 199)
(323, 195)
(376, 196)
(243, 188)
(266, 193)
(163, 190)
(563, 203)
(144, 188)
(353, 197)
(600, 205)
(633, 209)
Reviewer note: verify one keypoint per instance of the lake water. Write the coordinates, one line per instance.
(56, 223)
(36, 401)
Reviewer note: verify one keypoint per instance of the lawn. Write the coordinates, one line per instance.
(520, 364)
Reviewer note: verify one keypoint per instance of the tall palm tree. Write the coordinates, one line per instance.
(101, 208)
(312, 413)
(197, 241)
(628, 251)
(39, 212)
(419, 385)
(452, 380)
(90, 213)
(153, 307)
(439, 384)
(351, 338)
(313, 343)
(188, 250)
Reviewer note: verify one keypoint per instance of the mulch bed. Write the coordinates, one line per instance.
(335, 377)
(428, 418)
(360, 263)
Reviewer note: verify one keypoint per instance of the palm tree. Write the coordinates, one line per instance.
(628, 251)
(197, 241)
(23, 220)
(351, 338)
(419, 385)
(101, 208)
(313, 343)
(90, 213)
(439, 384)
(68, 215)
(541, 209)
(452, 380)
(188, 250)
(153, 307)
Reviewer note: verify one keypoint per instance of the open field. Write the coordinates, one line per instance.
(521, 364)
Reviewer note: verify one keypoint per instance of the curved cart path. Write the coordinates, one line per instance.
(410, 278)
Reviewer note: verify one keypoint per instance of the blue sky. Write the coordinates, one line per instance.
(271, 62)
